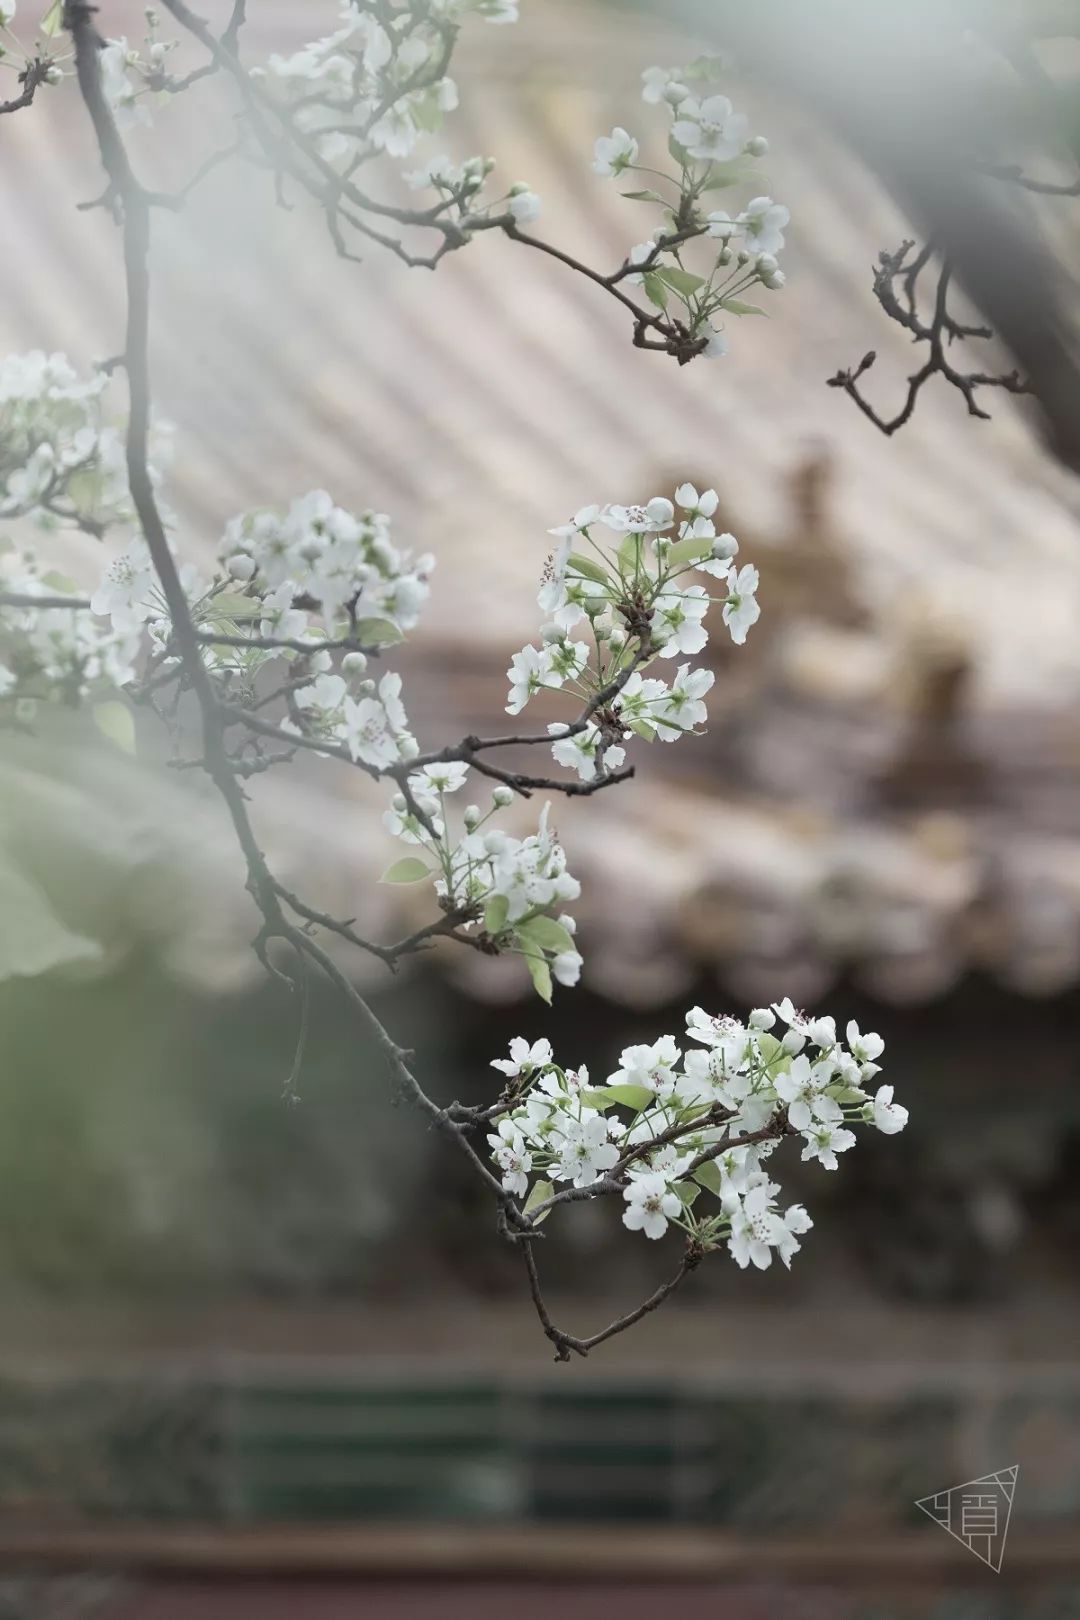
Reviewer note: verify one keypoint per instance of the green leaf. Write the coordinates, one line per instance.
(642, 728)
(708, 1174)
(679, 153)
(540, 974)
(231, 605)
(586, 566)
(736, 306)
(709, 68)
(598, 1100)
(116, 721)
(687, 1193)
(688, 551)
(495, 915)
(539, 1193)
(655, 288)
(52, 20)
(60, 582)
(635, 1097)
(407, 870)
(546, 934)
(776, 1059)
(684, 282)
(846, 1094)
(630, 553)
(739, 171)
(378, 633)
(644, 196)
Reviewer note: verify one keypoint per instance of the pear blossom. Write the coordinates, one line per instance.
(652, 518)
(615, 152)
(445, 776)
(524, 1059)
(681, 708)
(825, 1141)
(524, 206)
(711, 129)
(586, 1150)
(762, 222)
(512, 1157)
(530, 671)
(677, 620)
(581, 752)
(741, 610)
(695, 505)
(888, 1116)
(649, 1205)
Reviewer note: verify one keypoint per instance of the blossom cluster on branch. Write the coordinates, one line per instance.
(269, 654)
(671, 1124)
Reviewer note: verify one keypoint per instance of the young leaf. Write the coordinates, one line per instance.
(635, 1097)
(655, 288)
(684, 282)
(50, 23)
(116, 721)
(540, 974)
(231, 605)
(586, 566)
(407, 870)
(539, 1193)
(708, 1174)
(679, 153)
(495, 915)
(545, 934)
(378, 633)
(644, 196)
(687, 1193)
(630, 553)
(688, 551)
(735, 306)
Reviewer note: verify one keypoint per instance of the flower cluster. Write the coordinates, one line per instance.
(713, 148)
(509, 888)
(671, 1124)
(130, 78)
(379, 82)
(636, 599)
(319, 562)
(56, 653)
(61, 459)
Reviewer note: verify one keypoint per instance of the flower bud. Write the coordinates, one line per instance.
(595, 606)
(501, 796)
(320, 661)
(724, 547)
(400, 803)
(408, 747)
(757, 146)
(675, 93)
(742, 257)
(766, 264)
(53, 74)
(552, 635)
(240, 566)
(775, 281)
(354, 663)
(472, 817)
(725, 256)
(519, 188)
(616, 639)
(367, 688)
(602, 632)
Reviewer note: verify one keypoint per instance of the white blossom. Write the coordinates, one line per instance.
(615, 152)
(711, 129)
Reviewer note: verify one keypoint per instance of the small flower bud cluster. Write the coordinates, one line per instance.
(61, 459)
(381, 76)
(509, 887)
(669, 1126)
(55, 654)
(629, 595)
(712, 146)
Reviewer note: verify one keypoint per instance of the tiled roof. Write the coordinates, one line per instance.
(484, 403)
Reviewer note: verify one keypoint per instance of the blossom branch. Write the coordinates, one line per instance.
(938, 332)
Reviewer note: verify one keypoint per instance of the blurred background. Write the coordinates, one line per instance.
(262, 1359)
